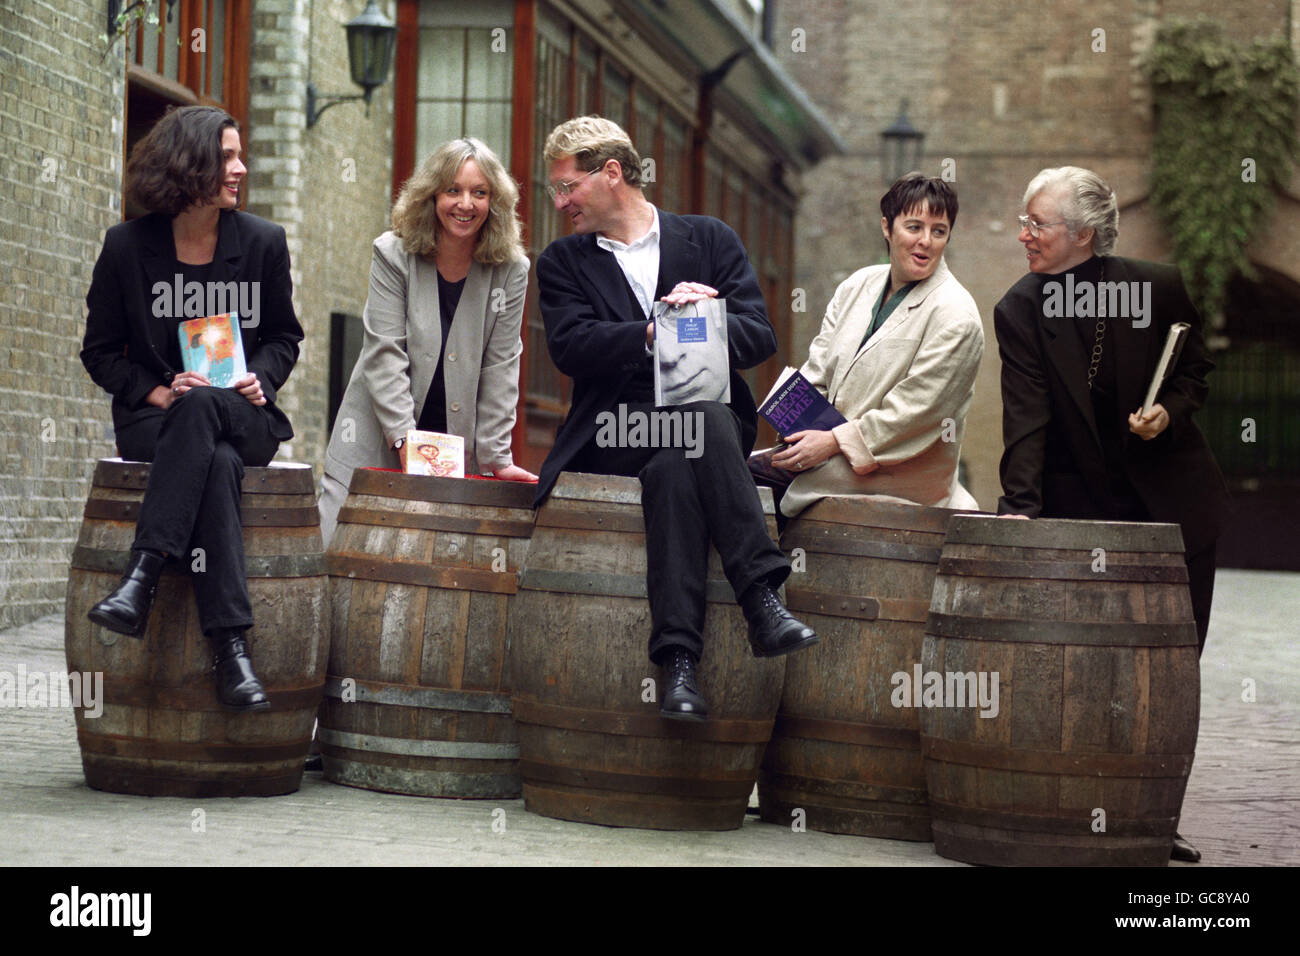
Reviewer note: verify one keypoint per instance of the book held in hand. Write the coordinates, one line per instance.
(213, 347)
(794, 405)
(1168, 359)
(690, 353)
(433, 453)
(761, 467)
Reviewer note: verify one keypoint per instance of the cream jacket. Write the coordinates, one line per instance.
(905, 393)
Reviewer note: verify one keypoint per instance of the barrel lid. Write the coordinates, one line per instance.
(865, 511)
(463, 491)
(286, 478)
(1064, 533)
(616, 489)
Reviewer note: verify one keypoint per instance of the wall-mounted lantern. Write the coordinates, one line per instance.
(371, 37)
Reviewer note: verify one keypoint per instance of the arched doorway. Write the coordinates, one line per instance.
(1252, 420)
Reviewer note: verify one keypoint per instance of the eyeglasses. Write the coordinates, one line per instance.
(1036, 228)
(563, 188)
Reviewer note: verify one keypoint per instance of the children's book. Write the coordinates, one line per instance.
(433, 453)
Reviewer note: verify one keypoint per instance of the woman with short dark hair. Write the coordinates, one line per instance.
(187, 172)
(897, 355)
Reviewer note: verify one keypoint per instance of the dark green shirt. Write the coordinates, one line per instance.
(884, 310)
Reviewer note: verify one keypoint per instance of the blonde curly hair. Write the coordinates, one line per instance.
(415, 214)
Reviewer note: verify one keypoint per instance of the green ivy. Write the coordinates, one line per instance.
(1219, 103)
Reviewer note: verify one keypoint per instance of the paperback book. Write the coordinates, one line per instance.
(794, 405)
(433, 453)
(213, 347)
(690, 353)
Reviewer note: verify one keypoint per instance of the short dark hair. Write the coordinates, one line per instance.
(179, 162)
(916, 190)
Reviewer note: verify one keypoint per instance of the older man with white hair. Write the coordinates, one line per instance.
(1080, 337)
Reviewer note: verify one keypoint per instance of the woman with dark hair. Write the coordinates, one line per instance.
(897, 355)
(187, 172)
(442, 321)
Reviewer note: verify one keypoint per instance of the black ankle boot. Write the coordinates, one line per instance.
(126, 610)
(237, 686)
(682, 698)
(772, 629)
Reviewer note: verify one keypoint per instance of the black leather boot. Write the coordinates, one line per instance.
(238, 688)
(682, 700)
(126, 610)
(773, 631)
(1184, 852)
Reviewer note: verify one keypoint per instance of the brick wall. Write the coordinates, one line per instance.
(61, 121)
(328, 186)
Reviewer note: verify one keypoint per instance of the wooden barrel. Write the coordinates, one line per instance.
(162, 731)
(423, 571)
(1084, 757)
(592, 744)
(841, 750)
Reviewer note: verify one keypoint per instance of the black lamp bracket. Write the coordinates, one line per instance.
(318, 102)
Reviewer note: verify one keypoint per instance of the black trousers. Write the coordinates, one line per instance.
(688, 502)
(1200, 578)
(200, 446)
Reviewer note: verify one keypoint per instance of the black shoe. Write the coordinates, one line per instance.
(773, 631)
(314, 764)
(126, 610)
(238, 688)
(682, 700)
(1184, 852)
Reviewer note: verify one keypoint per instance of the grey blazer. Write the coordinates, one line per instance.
(399, 355)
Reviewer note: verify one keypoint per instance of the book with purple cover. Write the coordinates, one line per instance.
(213, 347)
(794, 405)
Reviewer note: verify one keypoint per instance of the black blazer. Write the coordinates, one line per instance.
(596, 339)
(1053, 456)
(125, 346)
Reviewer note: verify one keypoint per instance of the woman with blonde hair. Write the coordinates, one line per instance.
(441, 325)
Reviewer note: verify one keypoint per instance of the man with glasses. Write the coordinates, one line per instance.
(1077, 444)
(597, 292)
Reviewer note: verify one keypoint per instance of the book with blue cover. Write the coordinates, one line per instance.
(213, 347)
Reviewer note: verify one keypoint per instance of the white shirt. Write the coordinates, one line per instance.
(639, 261)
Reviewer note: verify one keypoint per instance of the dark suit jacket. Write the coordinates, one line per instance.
(598, 340)
(125, 346)
(1053, 458)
